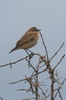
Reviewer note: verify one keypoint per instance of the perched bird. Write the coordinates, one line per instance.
(29, 39)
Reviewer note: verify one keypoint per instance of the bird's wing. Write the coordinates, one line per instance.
(25, 39)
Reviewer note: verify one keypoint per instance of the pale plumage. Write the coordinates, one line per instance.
(28, 40)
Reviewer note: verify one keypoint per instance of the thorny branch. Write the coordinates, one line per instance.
(12, 63)
(29, 77)
(33, 80)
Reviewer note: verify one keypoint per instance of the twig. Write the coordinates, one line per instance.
(44, 93)
(18, 81)
(59, 88)
(59, 61)
(14, 62)
(36, 80)
(52, 85)
(44, 46)
(29, 98)
(31, 65)
(29, 77)
(57, 51)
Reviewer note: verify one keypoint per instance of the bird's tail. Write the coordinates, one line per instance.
(13, 50)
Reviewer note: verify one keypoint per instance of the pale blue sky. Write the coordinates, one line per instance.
(16, 16)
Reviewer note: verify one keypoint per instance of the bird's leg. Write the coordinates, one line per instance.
(27, 52)
(30, 56)
(30, 51)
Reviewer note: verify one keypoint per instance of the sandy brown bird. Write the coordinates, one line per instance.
(29, 39)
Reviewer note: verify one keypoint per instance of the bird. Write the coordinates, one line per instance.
(28, 40)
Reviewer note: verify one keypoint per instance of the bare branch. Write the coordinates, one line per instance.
(31, 65)
(9, 64)
(12, 63)
(29, 77)
(59, 88)
(44, 46)
(57, 51)
(59, 61)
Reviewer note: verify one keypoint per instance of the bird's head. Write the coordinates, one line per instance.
(34, 29)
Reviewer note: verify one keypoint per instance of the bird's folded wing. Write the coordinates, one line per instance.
(25, 40)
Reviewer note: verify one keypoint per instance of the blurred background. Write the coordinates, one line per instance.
(16, 17)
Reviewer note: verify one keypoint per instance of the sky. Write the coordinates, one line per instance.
(16, 17)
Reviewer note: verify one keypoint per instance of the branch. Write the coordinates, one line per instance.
(29, 77)
(14, 62)
(31, 65)
(59, 61)
(44, 46)
(57, 51)
(59, 88)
